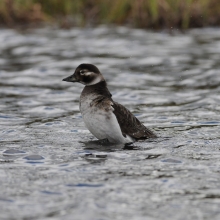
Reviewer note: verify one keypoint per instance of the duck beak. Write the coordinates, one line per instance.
(71, 78)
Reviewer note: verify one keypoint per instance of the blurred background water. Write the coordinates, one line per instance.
(51, 167)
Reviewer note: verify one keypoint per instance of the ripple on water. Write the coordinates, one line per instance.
(34, 159)
(84, 185)
(171, 161)
(170, 82)
(13, 152)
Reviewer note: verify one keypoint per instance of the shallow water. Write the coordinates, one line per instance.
(51, 167)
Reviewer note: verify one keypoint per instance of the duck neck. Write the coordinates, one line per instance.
(97, 89)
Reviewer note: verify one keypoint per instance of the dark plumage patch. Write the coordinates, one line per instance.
(87, 79)
(89, 67)
(129, 124)
(100, 89)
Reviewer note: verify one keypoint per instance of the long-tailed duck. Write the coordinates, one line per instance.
(105, 118)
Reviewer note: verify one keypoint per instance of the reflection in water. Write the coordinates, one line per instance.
(52, 166)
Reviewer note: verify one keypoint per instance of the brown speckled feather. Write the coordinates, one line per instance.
(129, 124)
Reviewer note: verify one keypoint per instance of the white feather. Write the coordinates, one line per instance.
(88, 73)
(96, 80)
(102, 124)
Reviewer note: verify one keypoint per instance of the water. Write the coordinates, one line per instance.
(51, 167)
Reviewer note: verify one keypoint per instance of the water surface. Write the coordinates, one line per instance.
(51, 167)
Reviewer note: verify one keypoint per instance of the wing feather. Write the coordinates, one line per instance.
(129, 124)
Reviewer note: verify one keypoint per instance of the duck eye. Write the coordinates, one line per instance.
(82, 72)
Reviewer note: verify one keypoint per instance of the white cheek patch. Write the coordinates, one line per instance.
(88, 73)
(96, 80)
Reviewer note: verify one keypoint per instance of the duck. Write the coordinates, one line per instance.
(105, 118)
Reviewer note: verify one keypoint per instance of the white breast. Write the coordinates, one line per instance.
(102, 124)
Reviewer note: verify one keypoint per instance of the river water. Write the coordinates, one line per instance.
(51, 167)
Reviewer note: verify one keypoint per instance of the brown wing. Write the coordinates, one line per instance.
(129, 124)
